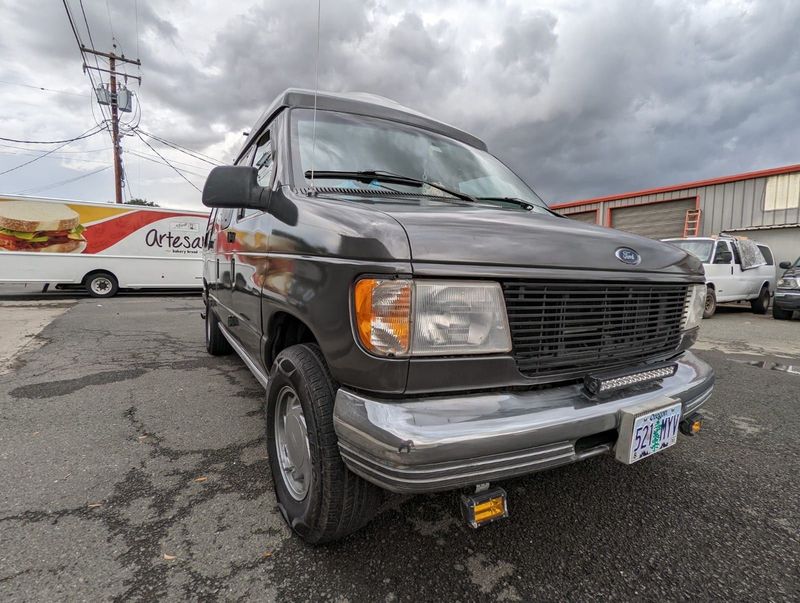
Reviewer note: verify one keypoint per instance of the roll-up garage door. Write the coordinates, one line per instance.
(584, 216)
(655, 220)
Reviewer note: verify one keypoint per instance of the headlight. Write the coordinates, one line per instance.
(789, 283)
(431, 318)
(695, 304)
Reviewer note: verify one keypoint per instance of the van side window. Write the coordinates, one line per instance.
(209, 239)
(720, 251)
(264, 160)
(736, 257)
(767, 253)
(224, 217)
(247, 158)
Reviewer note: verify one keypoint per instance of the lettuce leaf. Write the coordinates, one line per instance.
(33, 237)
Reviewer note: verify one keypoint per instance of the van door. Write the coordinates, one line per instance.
(720, 271)
(222, 268)
(252, 235)
(741, 286)
(769, 270)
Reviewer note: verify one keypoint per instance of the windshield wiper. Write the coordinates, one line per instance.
(521, 203)
(381, 176)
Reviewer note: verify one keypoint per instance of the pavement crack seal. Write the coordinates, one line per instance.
(63, 387)
(144, 540)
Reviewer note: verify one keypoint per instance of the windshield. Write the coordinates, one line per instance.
(353, 143)
(700, 249)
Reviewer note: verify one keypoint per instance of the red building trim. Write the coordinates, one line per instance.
(697, 184)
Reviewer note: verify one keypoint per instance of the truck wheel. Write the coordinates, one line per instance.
(101, 284)
(319, 497)
(760, 305)
(711, 303)
(780, 313)
(216, 344)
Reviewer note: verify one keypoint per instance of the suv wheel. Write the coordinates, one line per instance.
(318, 496)
(101, 284)
(711, 303)
(760, 305)
(780, 313)
(216, 344)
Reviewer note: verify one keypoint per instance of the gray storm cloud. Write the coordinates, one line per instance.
(580, 98)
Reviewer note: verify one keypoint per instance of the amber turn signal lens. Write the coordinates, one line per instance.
(383, 315)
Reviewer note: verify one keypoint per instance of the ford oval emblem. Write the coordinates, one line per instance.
(628, 256)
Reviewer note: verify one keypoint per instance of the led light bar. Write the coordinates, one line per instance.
(598, 385)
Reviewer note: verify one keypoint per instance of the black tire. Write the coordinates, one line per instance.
(216, 344)
(337, 501)
(101, 284)
(781, 314)
(760, 305)
(711, 303)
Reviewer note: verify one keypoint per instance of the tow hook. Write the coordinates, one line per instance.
(484, 506)
(692, 424)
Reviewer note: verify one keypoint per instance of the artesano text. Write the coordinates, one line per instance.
(153, 238)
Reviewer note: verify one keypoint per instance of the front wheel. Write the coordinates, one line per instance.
(711, 303)
(318, 496)
(102, 284)
(760, 305)
(780, 313)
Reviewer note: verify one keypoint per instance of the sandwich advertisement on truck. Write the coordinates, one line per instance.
(75, 228)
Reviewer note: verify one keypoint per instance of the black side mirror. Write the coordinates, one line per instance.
(785, 265)
(723, 257)
(234, 187)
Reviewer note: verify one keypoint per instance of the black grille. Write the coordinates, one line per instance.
(565, 329)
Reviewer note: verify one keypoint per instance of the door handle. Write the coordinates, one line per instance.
(231, 236)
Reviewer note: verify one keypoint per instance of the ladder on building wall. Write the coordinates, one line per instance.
(691, 224)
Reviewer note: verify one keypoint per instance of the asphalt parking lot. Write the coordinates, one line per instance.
(132, 466)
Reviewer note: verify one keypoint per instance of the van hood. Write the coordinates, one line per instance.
(470, 234)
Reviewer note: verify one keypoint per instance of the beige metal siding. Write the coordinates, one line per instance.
(749, 203)
(584, 216)
(657, 220)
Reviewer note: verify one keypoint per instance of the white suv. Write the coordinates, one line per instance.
(736, 270)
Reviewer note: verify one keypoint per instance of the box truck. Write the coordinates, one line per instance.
(100, 246)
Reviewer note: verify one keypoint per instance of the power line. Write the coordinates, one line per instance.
(21, 165)
(196, 154)
(42, 88)
(37, 189)
(177, 171)
(151, 158)
(11, 146)
(56, 156)
(136, 10)
(86, 134)
(110, 24)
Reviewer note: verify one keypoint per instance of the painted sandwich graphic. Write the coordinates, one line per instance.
(44, 227)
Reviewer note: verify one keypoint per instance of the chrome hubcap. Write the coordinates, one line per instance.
(291, 441)
(101, 285)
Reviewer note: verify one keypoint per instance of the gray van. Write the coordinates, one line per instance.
(421, 321)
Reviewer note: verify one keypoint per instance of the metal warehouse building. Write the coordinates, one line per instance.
(763, 205)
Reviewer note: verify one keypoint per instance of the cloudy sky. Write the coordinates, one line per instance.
(581, 98)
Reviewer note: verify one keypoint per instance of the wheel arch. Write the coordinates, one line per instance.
(285, 330)
(91, 273)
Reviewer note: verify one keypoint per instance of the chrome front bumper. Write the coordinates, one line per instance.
(446, 442)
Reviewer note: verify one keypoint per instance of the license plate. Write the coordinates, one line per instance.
(649, 432)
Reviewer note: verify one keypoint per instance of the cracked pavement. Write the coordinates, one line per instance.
(132, 466)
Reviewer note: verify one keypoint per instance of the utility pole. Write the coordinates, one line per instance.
(112, 63)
